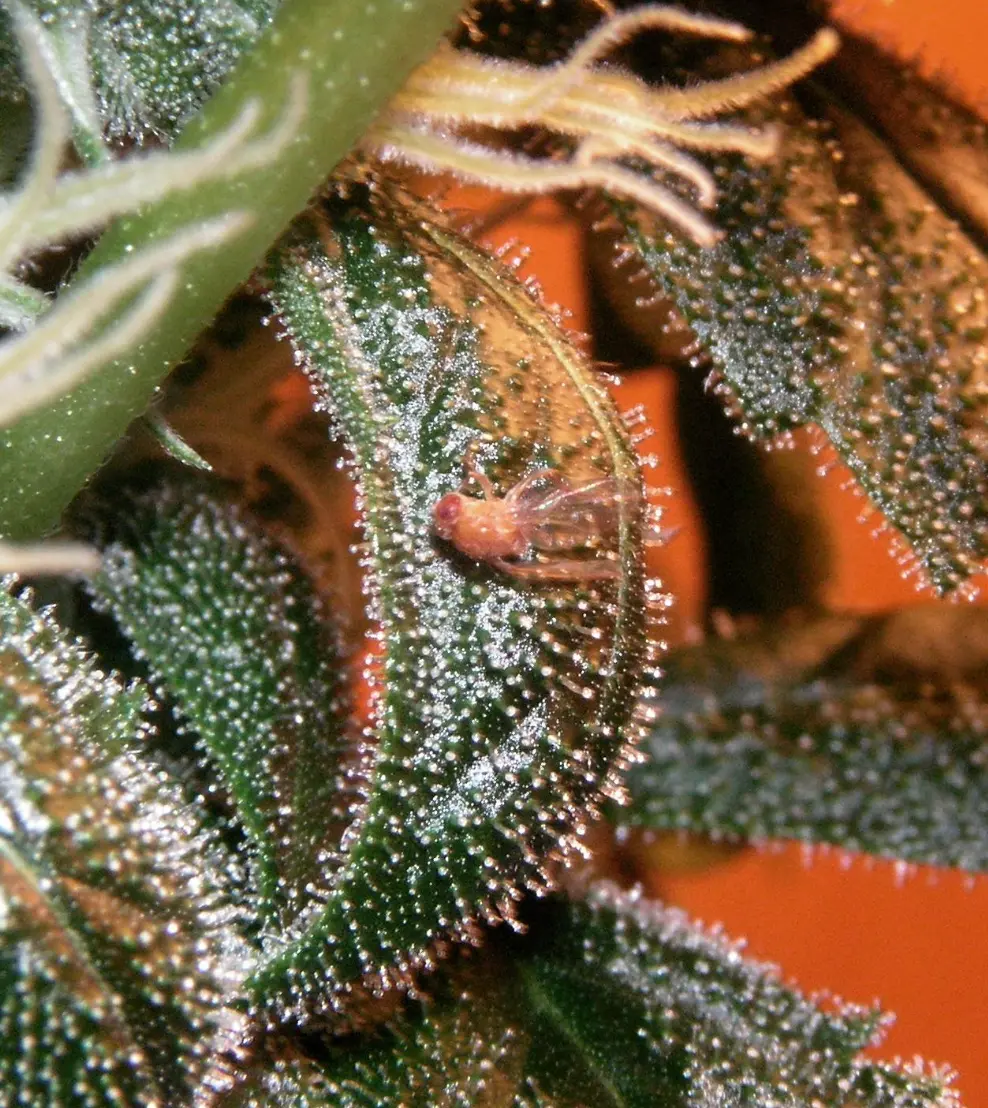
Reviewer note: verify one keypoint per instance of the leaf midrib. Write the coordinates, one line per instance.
(542, 1002)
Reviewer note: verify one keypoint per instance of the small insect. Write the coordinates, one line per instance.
(544, 512)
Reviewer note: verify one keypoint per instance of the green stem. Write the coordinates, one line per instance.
(355, 55)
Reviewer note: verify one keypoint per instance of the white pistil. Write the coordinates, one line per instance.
(608, 115)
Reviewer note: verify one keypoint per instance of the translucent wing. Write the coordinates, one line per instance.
(557, 515)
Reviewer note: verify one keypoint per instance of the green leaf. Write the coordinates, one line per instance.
(865, 734)
(457, 1053)
(155, 63)
(172, 443)
(119, 955)
(639, 1005)
(503, 707)
(619, 1003)
(842, 295)
(146, 66)
(233, 633)
(64, 43)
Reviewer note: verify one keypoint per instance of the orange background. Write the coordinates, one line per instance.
(918, 946)
(947, 38)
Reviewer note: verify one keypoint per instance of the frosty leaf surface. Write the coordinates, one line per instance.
(867, 734)
(462, 1049)
(119, 954)
(280, 1077)
(843, 295)
(151, 63)
(629, 1003)
(618, 1003)
(233, 633)
(503, 704)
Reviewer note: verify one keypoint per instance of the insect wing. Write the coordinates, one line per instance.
(535, 490)
(578, 516)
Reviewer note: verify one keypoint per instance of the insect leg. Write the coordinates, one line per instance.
(486, 487)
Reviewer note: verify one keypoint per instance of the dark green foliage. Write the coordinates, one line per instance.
(869, 735)
(154, 62)
(499, 723)
(144, 962)
(119, 960)
(112, 895)
(842, 295)
(463, 1046)
(630, 1004)
(232, 632)
(614, 1002)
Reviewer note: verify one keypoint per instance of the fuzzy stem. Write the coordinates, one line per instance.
(355, 56)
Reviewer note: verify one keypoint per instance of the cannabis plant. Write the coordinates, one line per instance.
(270, 789)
